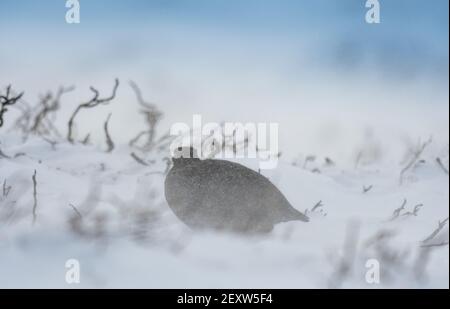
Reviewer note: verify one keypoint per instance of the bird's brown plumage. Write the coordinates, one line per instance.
(224, 195)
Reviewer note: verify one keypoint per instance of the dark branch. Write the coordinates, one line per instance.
(397, 211)
(441, 225)
(77, 212)
(367, 189)
(138, 160)
(415, 158)
(415, 212)
(441, 165)
(95, 101)
(441, 244)
(35, 201)
(109, 141)
(152, 116)
(7, 100)
(50, 103)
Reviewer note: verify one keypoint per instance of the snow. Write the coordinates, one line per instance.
(337, 87)
(128, 237)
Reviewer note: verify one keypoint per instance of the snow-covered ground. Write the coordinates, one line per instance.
(108, 212)
(365, 96)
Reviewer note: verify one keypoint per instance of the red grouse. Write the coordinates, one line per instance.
(222, 195)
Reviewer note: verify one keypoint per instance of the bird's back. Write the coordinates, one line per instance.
(225, 195)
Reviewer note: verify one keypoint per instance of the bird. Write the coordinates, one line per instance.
(226, 196)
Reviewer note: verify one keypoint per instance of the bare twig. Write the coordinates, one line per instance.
(441, 165)
(138, 159)
(318, 207)
(415, 212)
(109, 141)
(441, 225)
(35, 119)
(86, 139)
(76, 211)
(137, 138)
(139, 96)
(35, 201)
(22, 123)
(6, 189)
(79, 219)
(152, 116)
(367, 189)
(50, 103)
(416, 156)
(441, 244)
(397, 211)
(5, 101)
(95, 101)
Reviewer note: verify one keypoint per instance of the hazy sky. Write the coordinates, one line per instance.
(312, 65)
(413, 34)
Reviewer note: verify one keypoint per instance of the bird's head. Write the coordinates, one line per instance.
(182, 155)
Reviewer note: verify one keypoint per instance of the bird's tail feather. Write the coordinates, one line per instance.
(296, 215)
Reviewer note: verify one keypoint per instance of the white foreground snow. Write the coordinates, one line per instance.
(128, 237)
